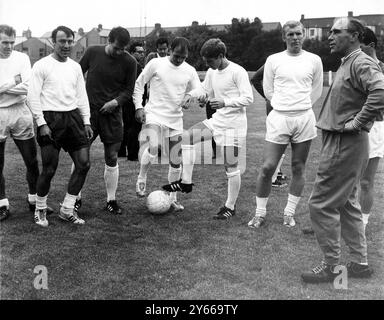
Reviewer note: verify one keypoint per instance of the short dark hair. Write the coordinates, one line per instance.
(212, 48)
(162, 40)
(65, 29)
(7, 30)
(181, 42)
(132, 47)
(121, 35)
(369, 37)
(355, 25)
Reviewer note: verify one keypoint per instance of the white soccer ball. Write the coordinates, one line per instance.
(158, 202)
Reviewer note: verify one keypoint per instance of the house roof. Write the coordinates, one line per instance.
(269, 26)
(138, 32)
(318, 22)
(19, 39)
(45, 41)
(104, 32)
(370, 19)
(218, 27)
(47, 34)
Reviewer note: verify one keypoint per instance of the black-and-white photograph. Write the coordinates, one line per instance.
(208, 151)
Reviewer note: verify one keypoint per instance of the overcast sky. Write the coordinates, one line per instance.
(44, 15)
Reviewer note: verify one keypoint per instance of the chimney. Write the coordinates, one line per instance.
(302, 18)
(99, 27)
(81, 32)
(157, 26)
(27, 33)
(350, 13)
(195, 23)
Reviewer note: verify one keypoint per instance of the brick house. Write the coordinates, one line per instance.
(318, 28)
(35, 48)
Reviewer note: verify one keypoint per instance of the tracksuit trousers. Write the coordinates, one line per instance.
(334, 208)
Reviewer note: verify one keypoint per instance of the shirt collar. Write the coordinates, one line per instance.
(350, 55)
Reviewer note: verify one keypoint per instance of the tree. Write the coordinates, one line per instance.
(150, 39)
(260, 47)
(331, 62)
(197, 35)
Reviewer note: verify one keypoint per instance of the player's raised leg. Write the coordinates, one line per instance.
(197, 133)
(153, 132)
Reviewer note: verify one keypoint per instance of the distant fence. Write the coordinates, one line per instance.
(327, 78)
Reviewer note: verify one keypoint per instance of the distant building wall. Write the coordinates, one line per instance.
(34, 48)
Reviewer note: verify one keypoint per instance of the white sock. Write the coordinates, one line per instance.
(4, 202)
(291, 205)
(174, 175)
(32, 198)
(189, 158)
(73, 169)
(41, 202)
(111, 178)
(365, 218)
(69, 201)
(261, 206)
(145, 162)
(234, 182)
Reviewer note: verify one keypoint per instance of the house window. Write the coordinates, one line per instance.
(311, 32)
(103, 40)
(41, 52)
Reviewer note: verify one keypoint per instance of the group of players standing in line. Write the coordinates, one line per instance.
(70, 113)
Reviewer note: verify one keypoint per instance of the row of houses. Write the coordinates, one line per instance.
(36, 48)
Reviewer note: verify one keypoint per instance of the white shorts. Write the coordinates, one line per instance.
(166, 132)
(376, 140)
(283, 128)
(16, 121)
(225, 138)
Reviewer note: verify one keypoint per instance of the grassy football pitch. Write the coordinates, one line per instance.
(186, 255)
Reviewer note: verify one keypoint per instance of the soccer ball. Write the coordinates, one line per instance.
(158, 202)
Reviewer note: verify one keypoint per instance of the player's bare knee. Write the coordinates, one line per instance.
(154, 149)
(83, 166)
(267, 170)
(32, 164)
(298, 169)
(49, 171)
(366, 185)
(111, 159)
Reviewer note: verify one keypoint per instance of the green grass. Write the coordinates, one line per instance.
(176, 256)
